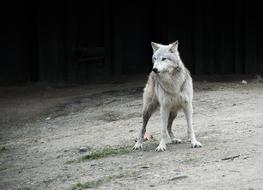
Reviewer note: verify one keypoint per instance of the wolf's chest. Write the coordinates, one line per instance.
(167, 96)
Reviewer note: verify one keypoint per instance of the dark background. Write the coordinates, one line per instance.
(99, 41)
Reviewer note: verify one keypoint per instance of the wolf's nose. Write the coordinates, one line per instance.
(155, 70)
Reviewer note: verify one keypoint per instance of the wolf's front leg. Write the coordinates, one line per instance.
(149, 108)
(188, 112)
(164, 134)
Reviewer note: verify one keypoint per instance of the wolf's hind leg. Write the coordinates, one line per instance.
(172, 116)
(148, 109)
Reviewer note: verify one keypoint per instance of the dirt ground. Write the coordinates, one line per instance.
(49, 134)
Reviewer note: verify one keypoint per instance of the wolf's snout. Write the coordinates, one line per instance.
(155, 70)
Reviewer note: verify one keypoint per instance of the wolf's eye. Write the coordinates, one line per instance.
(163, 59)
(154, 58)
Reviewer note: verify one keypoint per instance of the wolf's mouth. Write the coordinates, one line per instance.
(155, 70)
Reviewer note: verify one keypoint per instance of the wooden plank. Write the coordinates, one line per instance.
(209, 39)
(239, 35)
(71, 34)
(219, 39)
(198, 50)
(108, 72)
(259, 40)
(117, 55)
(250, 39)
(227, 21)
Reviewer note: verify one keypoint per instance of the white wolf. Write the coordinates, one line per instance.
(169, 87)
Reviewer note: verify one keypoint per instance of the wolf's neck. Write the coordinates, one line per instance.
(172, 82)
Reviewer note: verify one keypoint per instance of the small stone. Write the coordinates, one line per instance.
(59, 156)
(178, 177)
(84, 149)
(244, 82)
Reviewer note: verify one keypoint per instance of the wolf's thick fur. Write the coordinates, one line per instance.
(169, 87)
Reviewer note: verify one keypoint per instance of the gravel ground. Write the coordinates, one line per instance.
(77, 137)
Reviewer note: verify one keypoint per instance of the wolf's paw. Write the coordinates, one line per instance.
(195, 144)
(176, 141)
(161, 147)
(137, 146)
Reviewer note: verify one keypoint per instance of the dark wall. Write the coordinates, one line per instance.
(95, 41)
(17, 54)
(221, 37)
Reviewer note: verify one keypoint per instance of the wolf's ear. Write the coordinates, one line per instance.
(174, 46)
(155, 46)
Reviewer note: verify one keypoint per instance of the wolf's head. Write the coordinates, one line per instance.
(165, 57)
